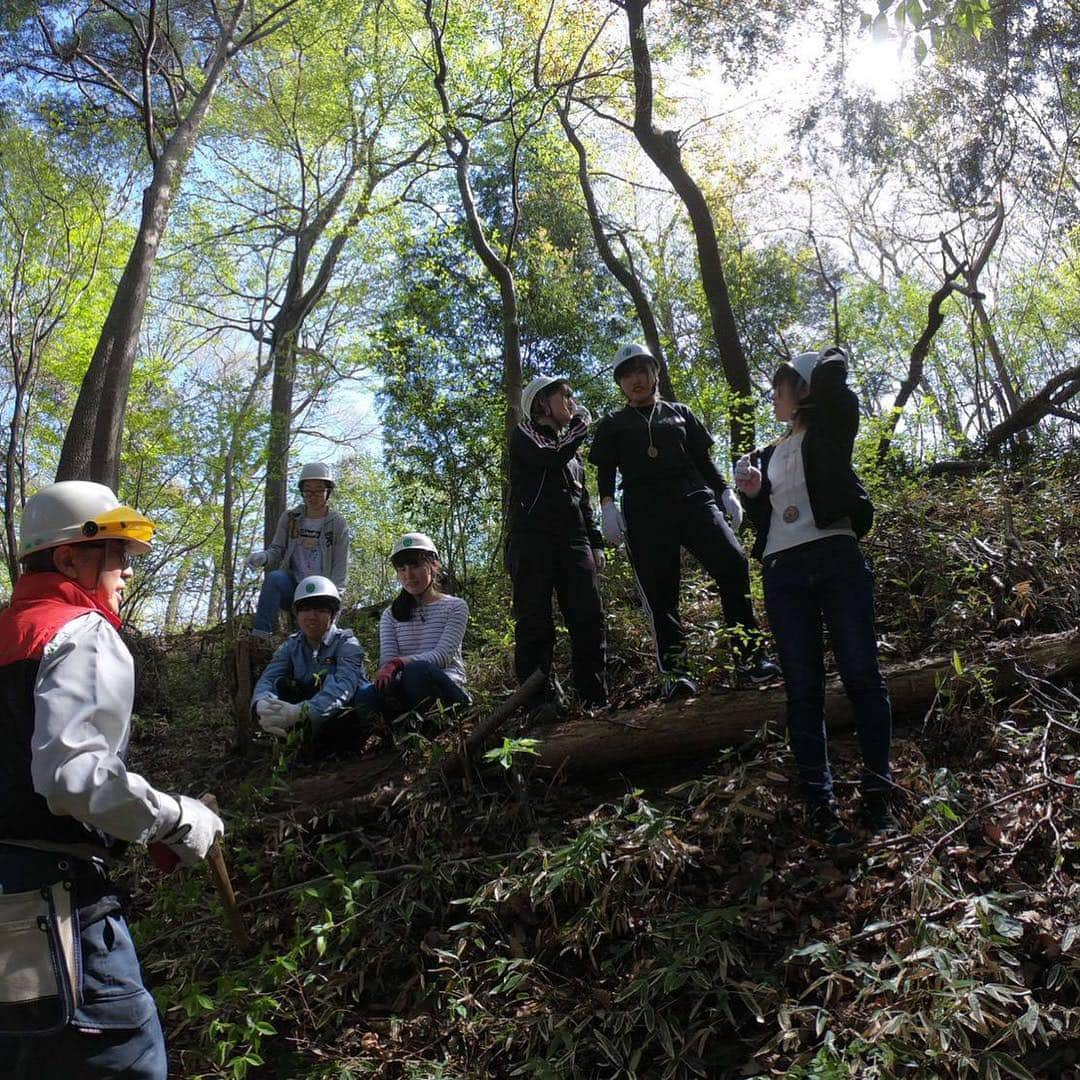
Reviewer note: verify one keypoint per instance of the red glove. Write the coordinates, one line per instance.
(388, 673)
(165, 859)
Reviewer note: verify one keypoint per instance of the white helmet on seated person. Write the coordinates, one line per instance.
(79, 511)
(535, 388)
(315, 586)
(317, 470)
(414, 541)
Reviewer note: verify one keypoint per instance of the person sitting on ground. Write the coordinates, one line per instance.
(316, 676)
(808, 509)
(670, 491)
(309, 539)
(554, 546)
(420, 634)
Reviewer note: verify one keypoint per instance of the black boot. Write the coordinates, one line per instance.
(876, 814)
(678, 687)
(825, 825)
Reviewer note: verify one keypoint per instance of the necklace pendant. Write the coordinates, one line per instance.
(791, 514)
(653, 452)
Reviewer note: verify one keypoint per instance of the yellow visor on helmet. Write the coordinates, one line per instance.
(122, 523)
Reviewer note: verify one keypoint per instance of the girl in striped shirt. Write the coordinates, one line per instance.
(420, 633)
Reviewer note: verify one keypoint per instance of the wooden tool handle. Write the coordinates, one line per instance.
(219, 872)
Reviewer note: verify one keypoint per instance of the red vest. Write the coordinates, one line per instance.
(41, 605)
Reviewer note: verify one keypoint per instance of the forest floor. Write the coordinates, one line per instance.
(654, 924)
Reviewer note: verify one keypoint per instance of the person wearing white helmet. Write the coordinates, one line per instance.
(808, 509)
(68, 802)
(672, 499)
(309, 539)
(316, 676)
(420, 633)
(554, 546)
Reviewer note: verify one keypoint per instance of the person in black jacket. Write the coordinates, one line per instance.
(809, 509)
(553, 544)
(671, 488)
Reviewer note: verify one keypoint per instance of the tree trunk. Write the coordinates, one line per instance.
(94, 436)
(622, 273)
(935, 317)
(458, 150)
(213, 603)
(662, 147)
(172, 610)
(283, 353)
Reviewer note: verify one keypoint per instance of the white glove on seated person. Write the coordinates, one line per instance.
(255, 560)
(733, 508)
(195, 832)
(583, 414)
(277, 717)
(614, 524)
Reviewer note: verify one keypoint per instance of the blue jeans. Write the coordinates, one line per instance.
(116, 1031)
(422, 681)
(275, 595)
(827, 583)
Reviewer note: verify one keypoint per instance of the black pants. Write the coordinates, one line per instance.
(539, 566)
(342, 732)
(658, 527)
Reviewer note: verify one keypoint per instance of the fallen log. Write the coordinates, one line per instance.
(662, 734)
(658, 735)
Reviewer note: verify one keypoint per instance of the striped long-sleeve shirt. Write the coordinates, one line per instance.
(434, 633)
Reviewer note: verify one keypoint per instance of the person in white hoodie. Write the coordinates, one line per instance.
(72, 999)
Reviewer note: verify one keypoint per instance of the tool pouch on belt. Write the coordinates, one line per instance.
(40, 959)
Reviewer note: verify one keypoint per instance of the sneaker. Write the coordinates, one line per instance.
(826, 827)
(760, 670)
(876, 814)
(679, 687)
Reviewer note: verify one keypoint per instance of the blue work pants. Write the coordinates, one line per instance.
(827, 583)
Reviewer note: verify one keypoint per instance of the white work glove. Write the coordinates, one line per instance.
(255, 560)
(747, 477)
(614, 524)
(192, 836)
(599, 559)
(733, 508)
(581, 413)
(276, 717)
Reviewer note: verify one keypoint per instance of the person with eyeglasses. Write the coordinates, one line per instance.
(310, 539)
(554, 547)
(673, 497)
(72, 997)
(809, 510)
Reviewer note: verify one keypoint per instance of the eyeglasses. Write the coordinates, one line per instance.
(115, 552)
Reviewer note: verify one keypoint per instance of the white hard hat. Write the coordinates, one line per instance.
(75, 511)
(537, 386)
(803, 365)
(317, 470)
(414, 541)
(314, 586)
(631, 351)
